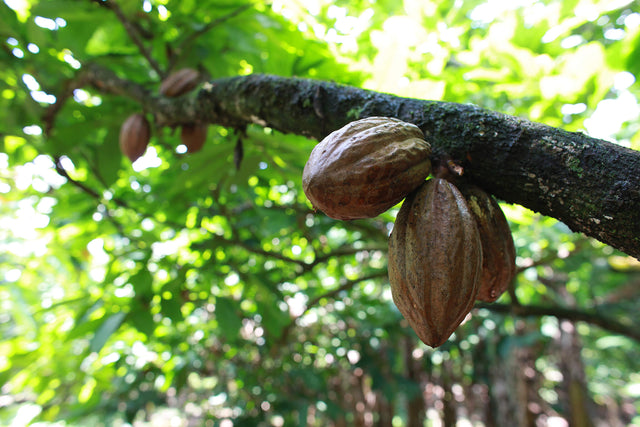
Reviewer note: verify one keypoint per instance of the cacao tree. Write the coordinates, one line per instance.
(198, 284)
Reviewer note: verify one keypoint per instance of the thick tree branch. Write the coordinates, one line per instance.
(575, 315)
(591, 185)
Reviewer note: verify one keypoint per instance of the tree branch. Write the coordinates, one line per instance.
(590, 317)
(63, 172)
(345, 286)
(591, 185)
(117, 201)
(195, 34)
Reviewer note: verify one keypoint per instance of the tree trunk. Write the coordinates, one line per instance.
(384, 408)
(574, 385)
(514, 389)
(449, 415)
(591, 185)
(415, 406)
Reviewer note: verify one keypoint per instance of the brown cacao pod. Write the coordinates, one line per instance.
(435, 260)
(135, 133)
(180, 82)
(498, 250)
(366, 167)
(193, 135)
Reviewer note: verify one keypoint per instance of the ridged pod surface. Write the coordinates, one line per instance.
(179, 82)
(193, 135)
(135, 133)
(435, 260)
(366, 167)
(498, 250)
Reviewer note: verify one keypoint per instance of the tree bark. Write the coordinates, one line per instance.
(591, 185)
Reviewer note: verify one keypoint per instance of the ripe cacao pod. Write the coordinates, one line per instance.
(435, 260)
(366, 167)
(498, 250)
(179, 82)
(135, 133)
(193, 135)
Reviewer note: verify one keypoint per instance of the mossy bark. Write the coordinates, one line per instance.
(591, 185)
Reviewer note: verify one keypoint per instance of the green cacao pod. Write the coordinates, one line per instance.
(135, 133)
(366, 167)
(435, 260)
(498, 250)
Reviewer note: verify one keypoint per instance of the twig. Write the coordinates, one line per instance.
(117, 201)
(63, 172)
(268, 254)
(194, 35)
(591, 317)
(345, 286)
(133, 33)
(49, 116)
(348, 250)
(102, 80)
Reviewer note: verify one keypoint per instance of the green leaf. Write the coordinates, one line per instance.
(107, 158)
(142, 283)
(229, 322)
(142, 320)
(105, 330)
(172, 309)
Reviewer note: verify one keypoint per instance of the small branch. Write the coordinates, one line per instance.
(194, 35)
(343, 250)
(117, 201)
(551, 257)
(267, 254)
(590, 317)
(63, 172)
(345, 286)
(133, 33)
(49, 116)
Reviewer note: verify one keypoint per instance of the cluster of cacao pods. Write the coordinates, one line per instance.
(449, 247)
(192, 135)
(451, 244)
(135, 132)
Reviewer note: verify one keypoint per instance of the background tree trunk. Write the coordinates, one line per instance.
(449, 415)
(515, 385)
(416, 408)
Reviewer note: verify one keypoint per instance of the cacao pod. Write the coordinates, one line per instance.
(435, 260)
(366, 167)
(135, 133)
(193, 135)
(179, 82)
(498, 250)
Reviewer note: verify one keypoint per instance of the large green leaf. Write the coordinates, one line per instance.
(228, 318)
(108, 326)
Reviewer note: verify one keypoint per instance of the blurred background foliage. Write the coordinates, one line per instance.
(183, 291)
